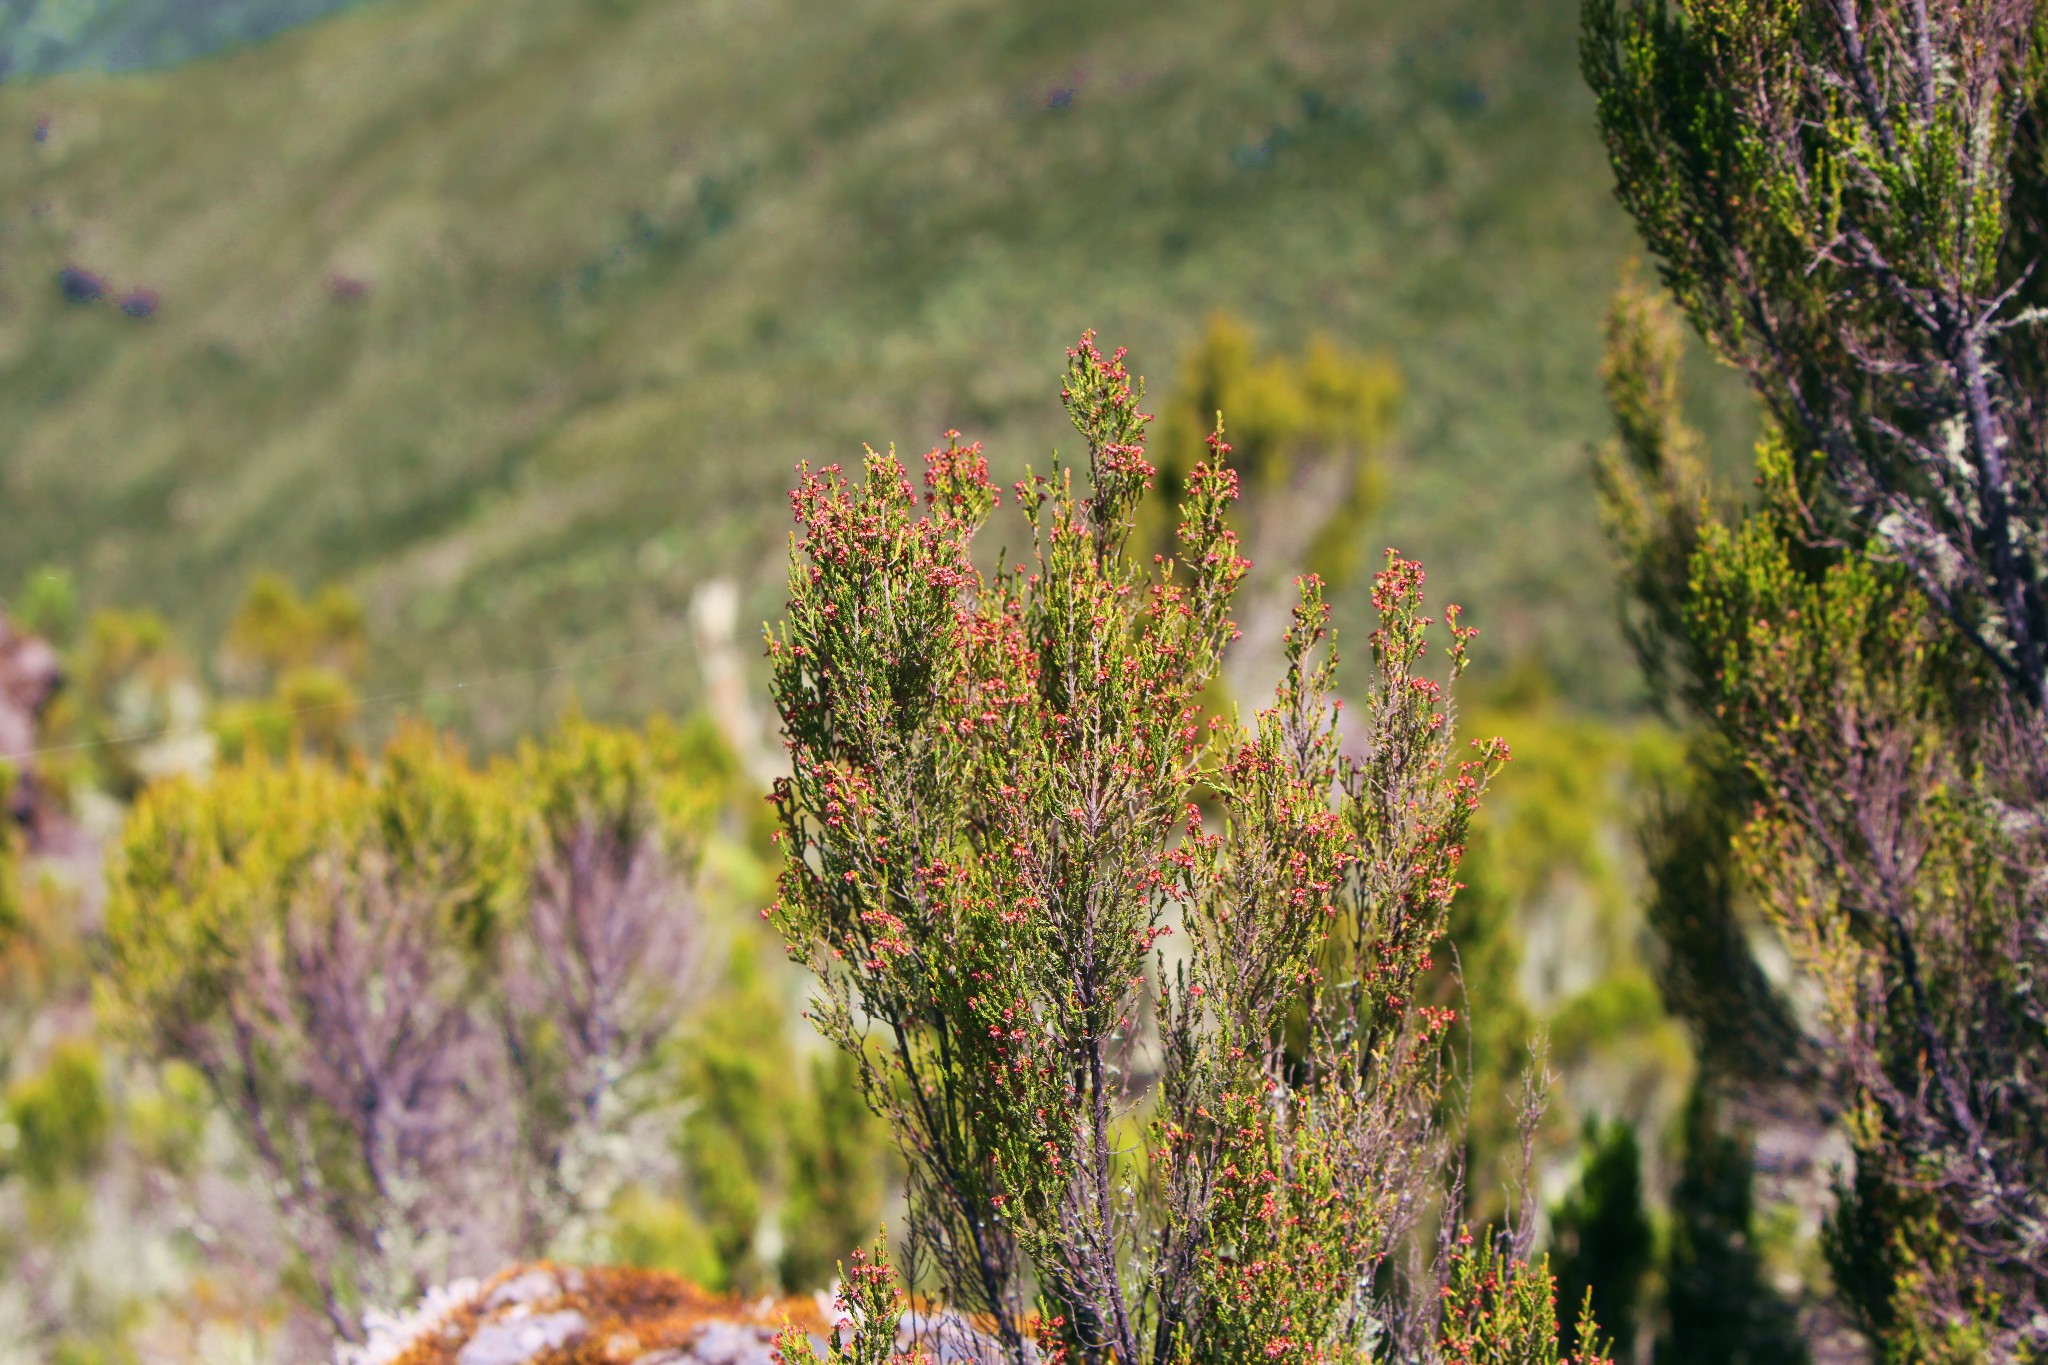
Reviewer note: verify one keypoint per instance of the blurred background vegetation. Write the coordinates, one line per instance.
(515, 314)
(435, 358)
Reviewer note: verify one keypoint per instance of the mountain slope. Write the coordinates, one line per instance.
(517, 313)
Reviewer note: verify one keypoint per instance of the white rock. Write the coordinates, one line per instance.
(732, 1343)
(528, 1286)
(392, 1335)
(515, 1343)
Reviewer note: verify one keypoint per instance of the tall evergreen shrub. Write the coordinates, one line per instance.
(1848, 201)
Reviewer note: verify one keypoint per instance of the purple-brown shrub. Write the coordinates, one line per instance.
(419, 991)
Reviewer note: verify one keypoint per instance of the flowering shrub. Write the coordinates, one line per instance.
(1133, 987)
(1501, 1310)
(867, 1309)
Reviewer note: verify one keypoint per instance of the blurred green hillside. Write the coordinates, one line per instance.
(516, 314)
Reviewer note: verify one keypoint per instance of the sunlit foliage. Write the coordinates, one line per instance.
(990, 830)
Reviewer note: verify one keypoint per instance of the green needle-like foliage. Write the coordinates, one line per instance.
(869, 1306)
(1846, 198)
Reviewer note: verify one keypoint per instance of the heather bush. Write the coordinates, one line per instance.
(56, 1120)
(1845, 201)
(426, 996)
(1861, 778)
(1500, 1309)
(1157, 1070)
(867, 1307)
(128, 685)
(135, 706)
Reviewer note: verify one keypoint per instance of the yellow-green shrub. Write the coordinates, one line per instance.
(419, 989)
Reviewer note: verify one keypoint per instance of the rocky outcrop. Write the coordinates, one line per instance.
(552, 1315)
(543, 1313)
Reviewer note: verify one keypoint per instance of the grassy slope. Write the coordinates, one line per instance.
(631, 259)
